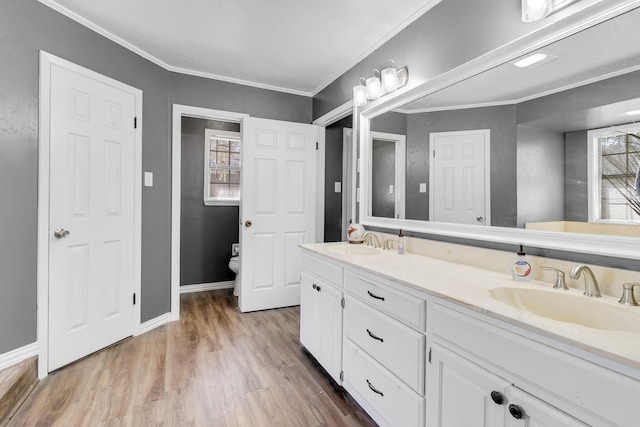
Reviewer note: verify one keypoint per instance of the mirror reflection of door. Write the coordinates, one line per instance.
(387, 160)
(459, 181)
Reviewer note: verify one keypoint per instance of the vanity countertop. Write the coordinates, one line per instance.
(470, 287)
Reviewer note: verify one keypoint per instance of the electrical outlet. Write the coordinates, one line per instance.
(235, 249)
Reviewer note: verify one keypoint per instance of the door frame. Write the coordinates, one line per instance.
(400, 143)
(178, 112)
(46, 61)
(486, 133)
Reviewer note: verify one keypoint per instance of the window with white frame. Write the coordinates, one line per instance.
(222, 167)
(615, 177)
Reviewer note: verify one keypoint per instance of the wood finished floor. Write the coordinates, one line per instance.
(215, 367)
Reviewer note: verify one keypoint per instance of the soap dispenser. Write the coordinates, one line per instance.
(521, 270)
(401, 242)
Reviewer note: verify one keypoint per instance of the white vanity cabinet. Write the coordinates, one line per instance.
(384, 350)
(321, 313)
(465, 394)
(542, 386)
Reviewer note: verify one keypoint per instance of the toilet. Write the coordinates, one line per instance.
(234, 265)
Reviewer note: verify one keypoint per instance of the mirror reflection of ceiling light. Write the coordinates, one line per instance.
(530, 60)
(632, 113)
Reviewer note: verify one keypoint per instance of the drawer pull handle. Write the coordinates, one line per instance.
(314, 286)
(374, 296)
(374, 337)
(375, 390)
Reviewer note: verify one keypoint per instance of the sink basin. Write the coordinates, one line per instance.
(571, 308)
(353, 250)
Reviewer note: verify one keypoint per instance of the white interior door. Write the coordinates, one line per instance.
(278, 203)
(459, 177)
(91, 214)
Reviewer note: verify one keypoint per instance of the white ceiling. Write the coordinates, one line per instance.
(296, 46)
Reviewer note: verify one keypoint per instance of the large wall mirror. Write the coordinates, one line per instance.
(546, 155)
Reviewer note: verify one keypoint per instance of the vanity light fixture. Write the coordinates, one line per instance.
(535, 10)
(379, 85)
(389, 77)
(360, 94)
(374, 86)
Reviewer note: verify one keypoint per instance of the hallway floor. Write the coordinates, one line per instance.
(215, 367)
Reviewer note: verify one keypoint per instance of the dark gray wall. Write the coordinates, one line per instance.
(576, 177)
(383, 174)
(501, 122)
(450, 34)
(541, 175)
(219, 95)
(26, 27)
(333, 173)
(207, 232)
(390, 122)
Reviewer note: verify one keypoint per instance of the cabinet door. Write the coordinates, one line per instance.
(534, 412)
(330, 329)
(309, 315)
(461, 393)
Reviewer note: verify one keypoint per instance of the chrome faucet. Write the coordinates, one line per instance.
(590, 290)
(370, 235)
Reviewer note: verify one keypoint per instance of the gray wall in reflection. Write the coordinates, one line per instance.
(541, 175)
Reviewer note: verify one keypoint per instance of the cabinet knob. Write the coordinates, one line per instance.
(314, 286)
(497, 397)
(318, 288)
(516, 411)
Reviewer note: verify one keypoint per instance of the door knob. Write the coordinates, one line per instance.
(61, 233)
(248, 224)
(480, 218)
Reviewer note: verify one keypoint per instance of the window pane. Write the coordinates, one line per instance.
(222, 145)
(234, 177)
(219, 176)
(234, 160)
(613, 144)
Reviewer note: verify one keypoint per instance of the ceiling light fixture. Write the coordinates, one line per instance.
(530, 60)
(379, 85)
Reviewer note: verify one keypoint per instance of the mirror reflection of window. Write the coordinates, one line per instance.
(617, 178)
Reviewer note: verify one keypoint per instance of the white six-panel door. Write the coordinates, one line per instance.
(92, 209)
(278, 193)
(459, 177)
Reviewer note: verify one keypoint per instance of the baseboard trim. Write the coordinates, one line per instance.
(155, 323)
(187, 289)
(16, 356)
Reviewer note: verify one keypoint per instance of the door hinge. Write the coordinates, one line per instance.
(429, 354)
(134, 298)
(316, 146)
(342, 302)
(135, 123)
(434, 154)
(341, 375)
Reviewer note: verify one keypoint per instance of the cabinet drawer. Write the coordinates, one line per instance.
(330, 273)
(397, 404)
(403, 306)
(397, 347)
